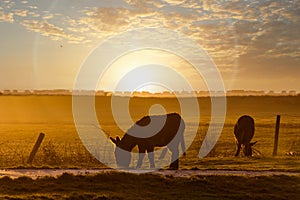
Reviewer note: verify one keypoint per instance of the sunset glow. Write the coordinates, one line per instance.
(146, 60)
(149, 99)
(255, 44)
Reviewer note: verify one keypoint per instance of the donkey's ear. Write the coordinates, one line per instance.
(116, 141)
(253, 143)
(113, 140)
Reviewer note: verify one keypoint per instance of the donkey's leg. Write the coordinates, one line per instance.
(238, 149)
(163, 153)
(151, 157)
(141, 157)
(182, 144)
(174, 159)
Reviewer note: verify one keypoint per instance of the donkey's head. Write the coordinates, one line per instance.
(123, 157)
(248, 149)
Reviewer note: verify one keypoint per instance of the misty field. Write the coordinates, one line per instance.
(22, 118)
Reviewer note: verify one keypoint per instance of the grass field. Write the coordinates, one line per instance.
(22, 118)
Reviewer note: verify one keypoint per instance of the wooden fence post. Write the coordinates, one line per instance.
(35, 148)
(276, 135)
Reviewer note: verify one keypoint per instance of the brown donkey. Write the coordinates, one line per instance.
(244, 132)
(148, 133)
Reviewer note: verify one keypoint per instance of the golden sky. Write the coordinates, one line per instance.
(254, 44)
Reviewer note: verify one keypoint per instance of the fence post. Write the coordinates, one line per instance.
(276, 135)
(35, 148)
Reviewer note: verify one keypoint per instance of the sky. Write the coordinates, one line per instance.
(254, 45)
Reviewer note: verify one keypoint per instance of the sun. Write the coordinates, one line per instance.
(149, 70)
(153, 88)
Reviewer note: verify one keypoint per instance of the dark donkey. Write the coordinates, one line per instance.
(244, 131)
(170, 134)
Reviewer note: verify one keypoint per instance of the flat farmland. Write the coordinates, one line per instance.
(22, 118)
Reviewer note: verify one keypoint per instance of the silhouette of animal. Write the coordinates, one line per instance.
(244, 132)
(170, 134)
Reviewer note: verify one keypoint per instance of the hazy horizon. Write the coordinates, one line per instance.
(141, 93)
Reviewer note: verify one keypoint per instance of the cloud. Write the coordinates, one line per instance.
(106, 19)
(44, 28)
(33, 14)
(47, 16)
(21, 13)
(6, 17)
(174, 2)
(258, 25)
(101, 22)
(231, 31)
(47, 29)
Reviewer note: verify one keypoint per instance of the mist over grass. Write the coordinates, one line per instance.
(24, 117)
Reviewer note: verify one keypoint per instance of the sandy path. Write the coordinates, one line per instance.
(35, 173)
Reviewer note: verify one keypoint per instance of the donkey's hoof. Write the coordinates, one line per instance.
(172, 168)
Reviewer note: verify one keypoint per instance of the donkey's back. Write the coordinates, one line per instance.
(244, 132)
(158, 130)
(244, 129)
